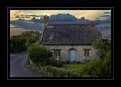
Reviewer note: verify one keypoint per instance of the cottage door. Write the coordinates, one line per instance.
(72, 55)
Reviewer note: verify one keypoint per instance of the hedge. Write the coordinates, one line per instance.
(99, 67)
(17, 44)
(31, 36)
(53, 62)
(38, 53)
(58, 72)
(51, 71)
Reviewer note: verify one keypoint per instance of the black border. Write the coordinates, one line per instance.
(58, 8)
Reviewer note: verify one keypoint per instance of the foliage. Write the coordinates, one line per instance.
(31, 36)
(33, 67)
(38, 53)
(53, 62)
(65, 62)
(57, 72)
(99, 67)
(93, 68)
(102, 46)
(51, 71)
(17, 44)
(102, 66)
(107, 64)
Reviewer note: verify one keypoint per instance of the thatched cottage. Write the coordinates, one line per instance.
(70, 41)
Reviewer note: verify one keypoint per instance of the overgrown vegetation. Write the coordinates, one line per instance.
(103, 46)
(102, 66)
(17, 44)
(53, 62)
(38, 53)
(21, 42)
(57, 72)
(31, 36)
(51, 71)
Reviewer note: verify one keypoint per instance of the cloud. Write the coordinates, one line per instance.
(89, 14)
(105, 17)
(107, 12)
(16, 13)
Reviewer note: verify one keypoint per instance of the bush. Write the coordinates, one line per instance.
(99, 67)
(102, 66)
(102, 47)
(51, 71)
(38, 53)
(53, 62)
(31, 36)
(93, 68)
(57, 72)
(17, 44)
(65, 62)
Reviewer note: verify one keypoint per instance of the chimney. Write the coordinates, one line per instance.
(45, 20)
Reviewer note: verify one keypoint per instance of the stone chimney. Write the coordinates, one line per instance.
(45, 20)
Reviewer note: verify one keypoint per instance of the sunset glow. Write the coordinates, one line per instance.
(89, 14)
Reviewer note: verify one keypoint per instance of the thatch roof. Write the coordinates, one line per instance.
(83, 34)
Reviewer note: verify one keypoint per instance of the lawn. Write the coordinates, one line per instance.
(74, 67)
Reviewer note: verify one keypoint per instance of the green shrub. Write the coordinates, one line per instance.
(51, 71)
(57, 72)
(17, 44)
(31, 36)
(66, 62)
(38, 53)
(93, 68)
(99, 67)
(53, 62)
(102, 47)
(102, 66)
(107, 64)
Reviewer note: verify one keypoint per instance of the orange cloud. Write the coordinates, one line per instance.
(14, 13)
(89, 14)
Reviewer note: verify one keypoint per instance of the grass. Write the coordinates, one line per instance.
(74, 67)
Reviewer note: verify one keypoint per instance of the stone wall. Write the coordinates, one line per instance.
(64, 53)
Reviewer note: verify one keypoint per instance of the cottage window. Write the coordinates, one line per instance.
(56, 52)
(86, 52)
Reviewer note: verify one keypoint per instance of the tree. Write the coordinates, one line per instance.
(17, 44)
(31, 36)
(102, 46)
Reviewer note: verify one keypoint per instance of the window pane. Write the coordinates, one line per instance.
(87, 52)
(84, 52)
(58, 52)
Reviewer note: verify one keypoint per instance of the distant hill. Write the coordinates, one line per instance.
(98, 22)
(61, 18)
(27, 25)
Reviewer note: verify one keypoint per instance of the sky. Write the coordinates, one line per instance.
(88, 14)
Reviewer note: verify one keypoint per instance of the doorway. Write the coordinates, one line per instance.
(72, 55)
